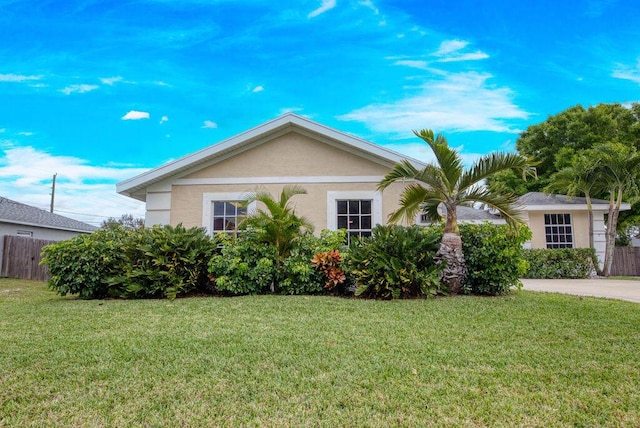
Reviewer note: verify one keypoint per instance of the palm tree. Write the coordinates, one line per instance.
(579, 177)
(618, 167)
(278, 225)
(447, 183)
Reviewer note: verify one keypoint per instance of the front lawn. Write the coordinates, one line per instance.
(528, 359)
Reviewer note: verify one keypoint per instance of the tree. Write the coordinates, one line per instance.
(447, 183)
(127, 221)
(278, 225)
(579, 178)
(554, 142)
(618, 167)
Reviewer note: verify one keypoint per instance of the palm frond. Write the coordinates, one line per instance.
(493, 163)
(411, 201)
(401, 171)
(448, 159)
(507, 204)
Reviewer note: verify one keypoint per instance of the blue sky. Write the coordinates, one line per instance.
(100, 91)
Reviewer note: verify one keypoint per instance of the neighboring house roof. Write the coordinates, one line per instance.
(538, 201)
(135, 187)
(471, 214)
(18, 213)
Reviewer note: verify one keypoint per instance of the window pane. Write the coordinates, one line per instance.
(342, 222)
(365, 222)
(230, 225)
(218, 208)
(365, 234)
(365, 207)
(354, 222)
(354, 207)
(229, 209)
(547, 219)
(567, 219)
(218, 223)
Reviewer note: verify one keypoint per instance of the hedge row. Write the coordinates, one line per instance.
(165, 261)
(556, 263)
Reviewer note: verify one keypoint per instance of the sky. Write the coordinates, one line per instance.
(101, 91)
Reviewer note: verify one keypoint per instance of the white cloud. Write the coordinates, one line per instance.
(455, 102)
(422, 65)
(208, 124)
(110, 80)
(79, 89)
(449, 46)
(627, 73)
(370, 5)
(18, 77)
(284, 110)
(25, 133)
(449, 51)
(164, 119)
(26, 174)
(325, 6)
(258, 89)
(423, 153)
(471, 56)
(136, 115)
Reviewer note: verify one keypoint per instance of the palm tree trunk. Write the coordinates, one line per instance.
(612, 223)
(455, 270)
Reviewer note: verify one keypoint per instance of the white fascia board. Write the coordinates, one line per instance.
(132, 186)
(43, 226)
(572, 207)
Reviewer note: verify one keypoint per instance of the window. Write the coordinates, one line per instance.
(558, 230)
(356, 211)
(25, 233)
(354, 215)
(226, 216)
(222, 211)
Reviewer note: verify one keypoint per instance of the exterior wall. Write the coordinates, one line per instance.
(579, 222)
(187, 201)
(319, 167)
(37, 233)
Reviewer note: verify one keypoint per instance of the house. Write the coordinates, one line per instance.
(341, 174)
(558, 221)
(17, 219)
(339, 171)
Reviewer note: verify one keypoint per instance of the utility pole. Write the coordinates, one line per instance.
(53, 190)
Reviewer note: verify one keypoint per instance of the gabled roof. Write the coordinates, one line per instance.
(134, 187)
(18, 213)
(536, 201)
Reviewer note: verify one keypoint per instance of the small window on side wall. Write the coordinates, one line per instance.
(227, 215)
(558, 230)
(25, 233)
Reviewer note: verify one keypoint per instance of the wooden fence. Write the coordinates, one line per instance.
(626, 261)
(21, 258)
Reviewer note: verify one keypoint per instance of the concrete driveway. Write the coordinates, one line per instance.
(611, 288)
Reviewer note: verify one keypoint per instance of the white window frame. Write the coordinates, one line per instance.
(334, 196)
(548, 244)
(207, 205)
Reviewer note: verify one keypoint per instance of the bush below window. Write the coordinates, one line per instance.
(559, 263)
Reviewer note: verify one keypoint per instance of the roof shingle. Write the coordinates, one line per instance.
(18, 213)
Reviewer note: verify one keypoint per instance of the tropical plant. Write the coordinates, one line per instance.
(446, 182)
(278, 225)
(395, 262)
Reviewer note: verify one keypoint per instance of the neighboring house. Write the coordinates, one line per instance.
(340, 173)
(18, 219)
(558, 221)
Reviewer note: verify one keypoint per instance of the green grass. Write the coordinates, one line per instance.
(528, 359)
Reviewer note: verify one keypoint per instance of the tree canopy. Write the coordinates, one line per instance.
(554, 142)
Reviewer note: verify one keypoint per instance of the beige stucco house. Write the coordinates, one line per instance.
(340, 173)
(558, 221)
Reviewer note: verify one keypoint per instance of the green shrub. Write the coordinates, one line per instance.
(247, 265)
(243, 265)
(552, 263)
(395, 262)
(162, 261)
(165, 261)
(494, 257)
(84, 264)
